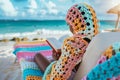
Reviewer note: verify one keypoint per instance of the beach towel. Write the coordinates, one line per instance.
(28, 50)
(25, 53)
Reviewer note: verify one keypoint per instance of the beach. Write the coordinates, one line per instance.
(12, 31)
(49, 27)
(9, 69)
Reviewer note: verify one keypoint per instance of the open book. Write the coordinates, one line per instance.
(56, 44)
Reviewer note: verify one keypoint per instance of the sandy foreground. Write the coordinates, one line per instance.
(8, 69)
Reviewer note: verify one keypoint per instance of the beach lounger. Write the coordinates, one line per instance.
(107, 70)
(96, 47)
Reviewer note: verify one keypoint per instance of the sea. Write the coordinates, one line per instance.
(10, 27)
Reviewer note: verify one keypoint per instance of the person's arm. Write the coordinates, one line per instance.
(56, 52)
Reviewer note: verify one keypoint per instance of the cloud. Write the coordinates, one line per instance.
(102, 6)
(20, 0)
(67, 0)
(7, 7)
(23, 14)
(32, 6)
(31, 11)
(62, 0)
(51, 4)
(43, 12)
(51, 7)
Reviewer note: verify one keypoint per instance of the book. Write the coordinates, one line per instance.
(56, 44)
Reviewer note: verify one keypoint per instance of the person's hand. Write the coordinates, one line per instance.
(56, 54)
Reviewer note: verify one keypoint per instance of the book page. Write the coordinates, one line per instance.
(62, 38)
(54, 43)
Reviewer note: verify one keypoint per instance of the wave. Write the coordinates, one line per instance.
(39, 33)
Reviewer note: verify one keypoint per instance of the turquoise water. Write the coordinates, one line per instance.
(11, 26)
(105, 24)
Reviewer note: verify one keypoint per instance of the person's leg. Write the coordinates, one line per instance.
(41, 61)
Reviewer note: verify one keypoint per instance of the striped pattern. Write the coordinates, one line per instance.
(30, 45)
(32, 49)
(28, 50)
(25, 52)
(30, 55)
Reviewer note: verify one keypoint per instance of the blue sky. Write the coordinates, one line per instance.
(50, 9)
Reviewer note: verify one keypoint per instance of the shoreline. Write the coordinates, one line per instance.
(35, 35)
(48, 20)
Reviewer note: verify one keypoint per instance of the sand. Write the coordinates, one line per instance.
(8, 69)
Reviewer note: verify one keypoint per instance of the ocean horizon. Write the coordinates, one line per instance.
(20, 26)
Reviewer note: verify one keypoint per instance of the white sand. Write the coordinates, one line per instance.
(8, 69)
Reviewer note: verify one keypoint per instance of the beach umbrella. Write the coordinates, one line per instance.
(115, 10)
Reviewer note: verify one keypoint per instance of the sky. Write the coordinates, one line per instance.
(51, 9)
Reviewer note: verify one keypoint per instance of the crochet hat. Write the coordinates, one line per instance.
(82, 19)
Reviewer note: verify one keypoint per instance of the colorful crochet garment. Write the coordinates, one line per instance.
(30, 70)
(108, 66)
(82, 19)
(72, 51)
